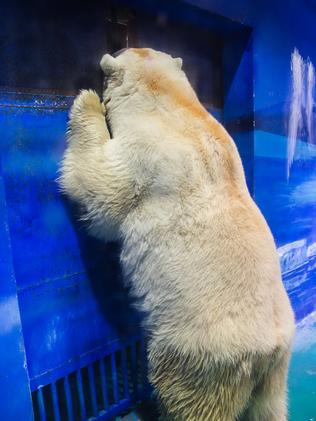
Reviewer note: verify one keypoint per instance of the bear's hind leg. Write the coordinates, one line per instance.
(269, 400)
(219, 401)
(189, 388)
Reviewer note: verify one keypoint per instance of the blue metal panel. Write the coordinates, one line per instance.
(67, 283)
(15, 402)
(34, 134)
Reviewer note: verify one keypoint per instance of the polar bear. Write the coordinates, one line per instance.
(154, 170)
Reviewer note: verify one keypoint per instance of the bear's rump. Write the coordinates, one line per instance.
(199, 388)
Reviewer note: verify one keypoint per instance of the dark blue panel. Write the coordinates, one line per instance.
(200, 49)
(177, 10)
(238, 98)
(52, 45)
(243, 11)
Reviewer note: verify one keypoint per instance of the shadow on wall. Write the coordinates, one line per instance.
(102, 265)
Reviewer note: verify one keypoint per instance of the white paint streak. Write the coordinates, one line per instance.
(302, 102)
(310, 99)
(305, 334)
(295, 121)
(9, 315)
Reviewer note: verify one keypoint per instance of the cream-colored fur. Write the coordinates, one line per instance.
(169, 184)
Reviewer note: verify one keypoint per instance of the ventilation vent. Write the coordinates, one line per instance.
(98, 391)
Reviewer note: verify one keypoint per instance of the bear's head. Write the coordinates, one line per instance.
(149, 72)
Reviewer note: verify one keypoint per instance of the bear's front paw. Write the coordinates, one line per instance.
(88, 102)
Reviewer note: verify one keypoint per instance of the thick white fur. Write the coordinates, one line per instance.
(196, 250)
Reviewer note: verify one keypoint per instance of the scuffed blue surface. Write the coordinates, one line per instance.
(14, 380)
(39, 225)
(70, 295)
(290, 209)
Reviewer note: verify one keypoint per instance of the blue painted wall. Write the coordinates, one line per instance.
(62, 289)
(13, 371)
(288, 205)
(70, 297)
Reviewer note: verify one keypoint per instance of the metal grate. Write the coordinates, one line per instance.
(98, 391)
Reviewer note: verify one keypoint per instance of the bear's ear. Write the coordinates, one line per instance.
(109, 65)
(178, 62)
